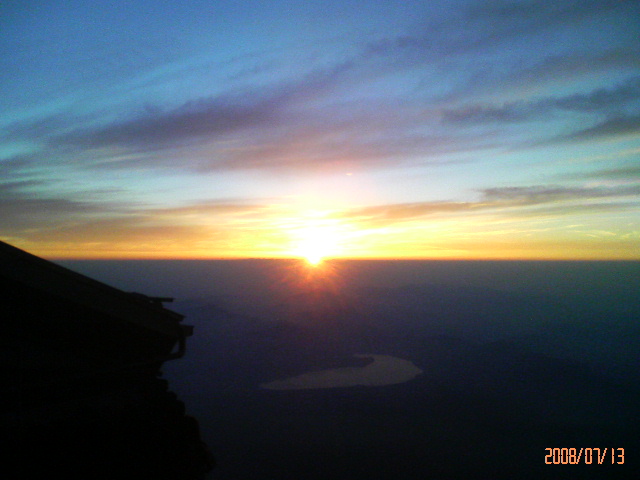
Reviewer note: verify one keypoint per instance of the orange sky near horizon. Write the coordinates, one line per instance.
(343, 234)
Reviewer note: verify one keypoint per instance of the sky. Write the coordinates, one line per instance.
(444, 129)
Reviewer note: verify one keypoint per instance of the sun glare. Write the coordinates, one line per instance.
(317, 243)
(313, 254)
(313, 258)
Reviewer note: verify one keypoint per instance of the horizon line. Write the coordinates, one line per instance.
(346, 259)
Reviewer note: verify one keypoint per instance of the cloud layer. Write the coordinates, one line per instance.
(490, 110)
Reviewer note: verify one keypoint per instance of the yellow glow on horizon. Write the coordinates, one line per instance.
(465, 251)
(304, 231)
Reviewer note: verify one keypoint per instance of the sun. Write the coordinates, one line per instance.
(316, 243)
(313, 252)
(314, 259)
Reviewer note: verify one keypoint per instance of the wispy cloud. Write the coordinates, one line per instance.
(598, 101)
(24, 209)
(305, 121)
(624, 173)
(207, 117)
(536, 195)
(618, 126)
(511, 201)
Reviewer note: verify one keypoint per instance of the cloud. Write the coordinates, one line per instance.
(14, 165)
(601, 99)
(483, 114)
(38, 129)
(255, 227)
(119, 227)
(598, 101)
(481, 26)
(295, 124)
(621, 125)
(8, 189)
(514, 17)
(130, 229)
(580, 64)
(209, 117)
(232, 111)
(268, 132)
(499, 42)
(23, 209)
(601, 115)
(536, 195)
(407, 211)
(209, 207)
(512, 201)
(342, 112)
(300, 123)
(626, 173)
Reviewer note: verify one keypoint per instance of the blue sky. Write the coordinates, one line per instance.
(442, 129)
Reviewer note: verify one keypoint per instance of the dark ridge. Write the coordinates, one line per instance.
(81, 395)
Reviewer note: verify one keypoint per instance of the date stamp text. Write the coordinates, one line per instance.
(587, 456)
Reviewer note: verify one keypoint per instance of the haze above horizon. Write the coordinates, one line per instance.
(334, 129)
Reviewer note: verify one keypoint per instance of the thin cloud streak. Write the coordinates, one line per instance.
(599, 101)
(511, 201)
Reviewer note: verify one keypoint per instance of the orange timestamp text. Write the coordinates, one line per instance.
(588, 456)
